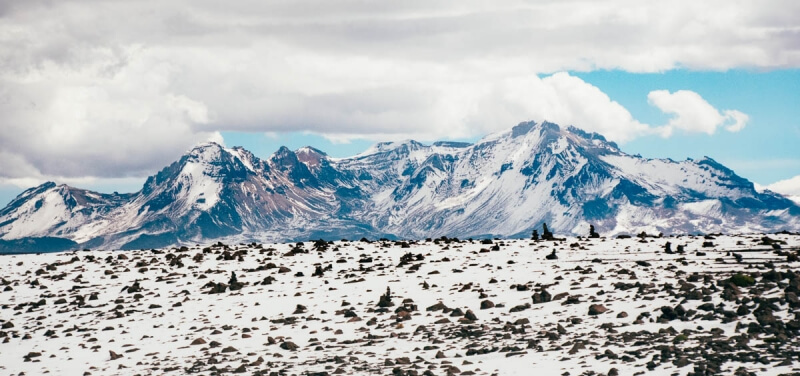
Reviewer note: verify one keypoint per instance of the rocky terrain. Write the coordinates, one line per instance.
(690, 305)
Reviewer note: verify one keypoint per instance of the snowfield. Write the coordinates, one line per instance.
(703, 305)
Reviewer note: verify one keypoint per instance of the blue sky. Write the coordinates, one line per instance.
(765, 151)
(104, 104)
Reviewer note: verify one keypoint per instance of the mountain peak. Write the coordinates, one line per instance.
(402, 146)
(526, 127)
(284, 157)
(282, 152)
(522, 129)
(26, 195)
(452, 144)
(310, 156)
(207, 151)
(308, 150)
(504, 185)
(587, 135)
(208, 145)
(592, 137)
(44, 186)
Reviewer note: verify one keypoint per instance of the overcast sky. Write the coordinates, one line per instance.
(104, 93)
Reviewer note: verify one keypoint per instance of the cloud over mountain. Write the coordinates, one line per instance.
(691, 113)
(132, 82)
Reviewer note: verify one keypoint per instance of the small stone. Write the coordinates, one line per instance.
(596, 309)
(469, 315)
(288, 345)
(114, 356)
(300, 309)
(577, 347)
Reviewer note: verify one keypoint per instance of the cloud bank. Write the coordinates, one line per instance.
(691, 113)
(787, 187)
(118, 89)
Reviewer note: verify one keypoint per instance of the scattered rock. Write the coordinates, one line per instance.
(288, 345)
(541, 297)
(596, 309)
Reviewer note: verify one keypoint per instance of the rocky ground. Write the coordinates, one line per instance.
(672, 305)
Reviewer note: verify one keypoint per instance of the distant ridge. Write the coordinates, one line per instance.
(504, 185)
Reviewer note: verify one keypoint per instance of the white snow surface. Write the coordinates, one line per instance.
(39, 216)
(154, 329)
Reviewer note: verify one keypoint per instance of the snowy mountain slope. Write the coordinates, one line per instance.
(55, 210)
(214, 192)
(507, 182)
(503, 185)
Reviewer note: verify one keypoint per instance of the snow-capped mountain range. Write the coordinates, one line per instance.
(506, 184)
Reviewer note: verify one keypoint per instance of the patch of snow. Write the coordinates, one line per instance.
(38, 221)
(199, 185)
(242, 156)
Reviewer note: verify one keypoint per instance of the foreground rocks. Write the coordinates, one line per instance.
(443, 306)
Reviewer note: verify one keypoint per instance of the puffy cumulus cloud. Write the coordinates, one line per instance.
(560, 98)
(790, 187)
(691, 113)
(573, 101)
(73, 122)
(118, 89)
(567, 100)
(735, 120)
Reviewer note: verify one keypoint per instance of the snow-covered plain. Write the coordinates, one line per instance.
(72, 313)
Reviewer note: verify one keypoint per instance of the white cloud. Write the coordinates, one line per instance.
(73, 122)
(586, 106)
(691, 113)
(117, 90)
(735, 120)
(789, 188)
(560, 98)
